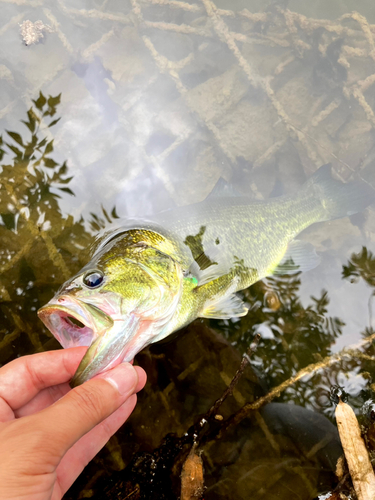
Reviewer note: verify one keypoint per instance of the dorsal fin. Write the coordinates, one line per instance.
(223, 189)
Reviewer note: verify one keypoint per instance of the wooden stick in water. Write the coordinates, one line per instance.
(356, 454)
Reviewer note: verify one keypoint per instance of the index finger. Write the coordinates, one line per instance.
(22, 379)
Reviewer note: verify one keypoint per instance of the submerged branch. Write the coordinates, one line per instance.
(229, 391)
(309, 370)
(192, 435)
(356, 454)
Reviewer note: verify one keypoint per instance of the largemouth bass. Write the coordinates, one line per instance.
(151, 278)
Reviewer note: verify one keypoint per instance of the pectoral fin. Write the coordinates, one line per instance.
(224, 308)
(211, 273)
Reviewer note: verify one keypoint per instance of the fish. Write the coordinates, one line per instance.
(151, 277)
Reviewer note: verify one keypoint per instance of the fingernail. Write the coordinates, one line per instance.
(123, 378)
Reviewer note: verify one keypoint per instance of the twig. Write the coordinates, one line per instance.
(191, 436)
(229, 391)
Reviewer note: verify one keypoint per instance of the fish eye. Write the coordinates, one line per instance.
(93, 279)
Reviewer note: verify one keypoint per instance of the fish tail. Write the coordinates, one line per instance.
(336, 198)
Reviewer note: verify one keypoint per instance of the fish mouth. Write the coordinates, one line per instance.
(74, 322)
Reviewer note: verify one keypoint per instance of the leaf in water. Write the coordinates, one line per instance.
(40, 102)
(63, 169)
(54, 101)
(29, 125)
(114, 213)
(66, 181)
(67, 190)
(49, 148)
(34, 140)
(54, 122)
(95, 222)
(16, 137)
(360, 265)
(33, 118)
(106, 214)
(14, 149)
(94, 226)
(49, 163)
(369, 330)
(94, 216)
(42, 142)
(9, 221)
(30, 148)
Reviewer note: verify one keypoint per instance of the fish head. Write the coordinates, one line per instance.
(119, 303)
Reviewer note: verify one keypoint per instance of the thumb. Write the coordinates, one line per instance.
(84, 407)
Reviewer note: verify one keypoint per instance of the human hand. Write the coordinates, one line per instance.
(49, 432)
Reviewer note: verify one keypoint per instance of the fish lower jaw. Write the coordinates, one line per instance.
(118, 345)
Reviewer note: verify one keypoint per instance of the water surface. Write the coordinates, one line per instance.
(156, 101)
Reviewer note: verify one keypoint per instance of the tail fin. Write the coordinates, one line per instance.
(339, 199)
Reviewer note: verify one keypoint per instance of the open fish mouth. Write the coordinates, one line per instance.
(73, 322)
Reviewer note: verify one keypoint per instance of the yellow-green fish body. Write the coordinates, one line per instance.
(153, 277)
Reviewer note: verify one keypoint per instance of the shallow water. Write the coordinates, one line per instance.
(158, 100)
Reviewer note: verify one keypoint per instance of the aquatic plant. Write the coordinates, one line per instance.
(41, 246)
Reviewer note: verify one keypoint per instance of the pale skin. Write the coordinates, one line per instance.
(49, 432)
